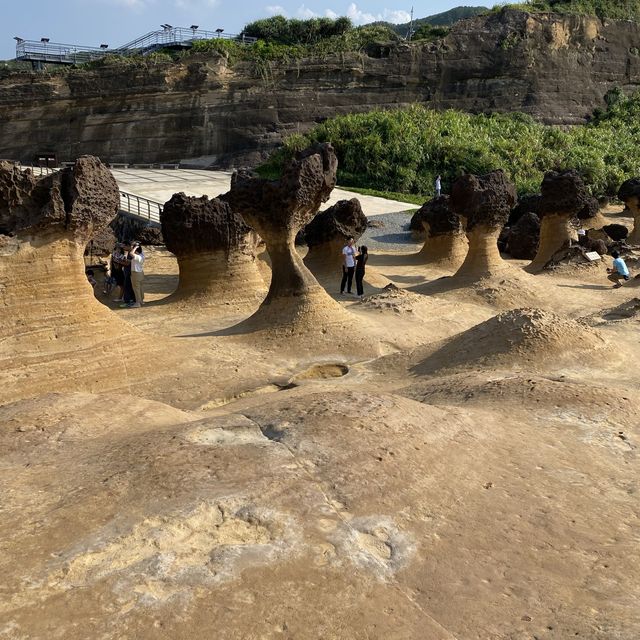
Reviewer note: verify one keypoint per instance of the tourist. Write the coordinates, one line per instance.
(137, 274)
(438, 186)
(118, 262)
(348, 265)
(128, 295)
(619, 272)
(361, 261)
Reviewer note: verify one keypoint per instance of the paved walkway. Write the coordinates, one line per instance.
(161, 184)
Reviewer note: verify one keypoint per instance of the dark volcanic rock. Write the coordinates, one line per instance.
(628, 189)
(590, 209)
(483, 200)
(563, 193)
(343, 220)
(525, 204)
(201, 225)
(75, 201)
(437, 214)
(523, 237)
(125, 228)
(616, 231)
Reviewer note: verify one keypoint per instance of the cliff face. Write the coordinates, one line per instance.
(556, 68)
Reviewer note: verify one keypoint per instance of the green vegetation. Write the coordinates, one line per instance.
(280, 30)
(429, 32)
(402, 151)
(444, 19)
(613, 9)
(411, 198)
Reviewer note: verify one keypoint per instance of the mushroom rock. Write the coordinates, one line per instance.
(49, 310)
(215, 250)
(277, 210)
(327, 234)
(616, 232)
(484, 203)
(445, 242)
(629, 193)
(589, 216)
(416, 225)
(564, 195)
(523, 237)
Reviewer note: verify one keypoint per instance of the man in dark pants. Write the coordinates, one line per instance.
(128, 295)
(348, 265)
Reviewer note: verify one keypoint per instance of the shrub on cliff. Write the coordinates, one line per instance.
(614, 9)
(281, 30)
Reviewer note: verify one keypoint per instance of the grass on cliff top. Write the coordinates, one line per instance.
(613, 9)
(402, 151)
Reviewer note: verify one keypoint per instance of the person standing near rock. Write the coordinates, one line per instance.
(438, 186)
(361, 261)
(118, 262)
(619, 272)
(128, 295)
(348, 265)
(137, 274)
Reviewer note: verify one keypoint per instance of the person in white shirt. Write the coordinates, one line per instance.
(348, 265)
(438, 186)
(137, 274)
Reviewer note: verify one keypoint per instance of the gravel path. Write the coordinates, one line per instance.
(393, 235)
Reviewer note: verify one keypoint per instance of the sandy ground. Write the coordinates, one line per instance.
(474, 477)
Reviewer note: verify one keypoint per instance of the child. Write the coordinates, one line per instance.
(92, 281)
(619, 271)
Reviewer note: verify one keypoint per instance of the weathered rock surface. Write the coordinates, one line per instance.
(629, 193)
(555, 68)
(445, 241)
(215, 250)
(51, 312)
(616, 232)
(484, 202)
(563, 196)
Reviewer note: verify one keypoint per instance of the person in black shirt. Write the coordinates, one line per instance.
(361, 261)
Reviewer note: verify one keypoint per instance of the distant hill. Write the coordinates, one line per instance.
(446, 19)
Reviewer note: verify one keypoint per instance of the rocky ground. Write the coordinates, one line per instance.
(468, 472)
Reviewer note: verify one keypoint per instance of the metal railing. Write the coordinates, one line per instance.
(39, 51)
(140, 207)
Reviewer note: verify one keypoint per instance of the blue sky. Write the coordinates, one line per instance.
(114, 22)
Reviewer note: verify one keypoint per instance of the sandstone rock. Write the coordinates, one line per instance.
(445, 243)
(215, 251)
(484, 202)
(629, 193)
(564, 195)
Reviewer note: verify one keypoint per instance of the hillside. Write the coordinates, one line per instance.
(444, 19)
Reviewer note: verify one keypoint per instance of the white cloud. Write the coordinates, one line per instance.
(275, 10)
(305, 13)
(389, 15)
(331, 14)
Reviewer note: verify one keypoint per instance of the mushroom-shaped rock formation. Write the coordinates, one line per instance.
(629, 193)
(215, 250)
(484, 202)
(277, 210)
(445, 241)
(564, 195)
(49, 310)
(523, 237)
(327, 234)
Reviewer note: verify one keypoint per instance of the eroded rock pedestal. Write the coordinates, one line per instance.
(629, 193)
(277, 210)
(484, 202)
(47, 308)
(564, 195)
(445, 243)
(215, 250)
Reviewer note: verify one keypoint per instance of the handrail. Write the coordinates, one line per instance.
(38, 50)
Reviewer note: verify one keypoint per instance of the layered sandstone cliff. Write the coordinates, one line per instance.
(556, 68)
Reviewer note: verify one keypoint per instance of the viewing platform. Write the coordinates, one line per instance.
(43, 51)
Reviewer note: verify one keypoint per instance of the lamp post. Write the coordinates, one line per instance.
(219, 32)
(44, 42)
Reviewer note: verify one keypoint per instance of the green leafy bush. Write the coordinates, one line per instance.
(403, 150)
(281, 30)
